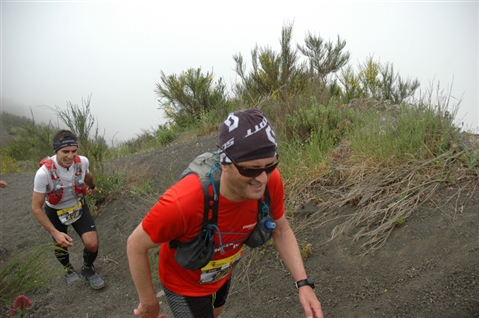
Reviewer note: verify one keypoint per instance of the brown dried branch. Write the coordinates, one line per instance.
(384, 196)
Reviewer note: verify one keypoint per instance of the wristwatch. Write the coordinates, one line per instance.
(305, 282)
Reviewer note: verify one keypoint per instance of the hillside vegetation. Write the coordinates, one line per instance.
(346, 137)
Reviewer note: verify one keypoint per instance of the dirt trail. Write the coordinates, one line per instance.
(428, 268)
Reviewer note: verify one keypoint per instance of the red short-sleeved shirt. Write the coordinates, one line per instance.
(179, 215)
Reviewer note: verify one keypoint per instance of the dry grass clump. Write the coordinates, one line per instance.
(26, 272)
(383, 196)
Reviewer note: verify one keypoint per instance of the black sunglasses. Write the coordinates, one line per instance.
(254, 172)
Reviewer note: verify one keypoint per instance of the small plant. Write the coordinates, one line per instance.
(306, 249)
(25, 273)
(107, 187)
(400, 221)
(20, 306)
(165, 135)
(471, 159)
(146, 187)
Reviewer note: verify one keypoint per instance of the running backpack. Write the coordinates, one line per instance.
(196, 253)
(55, 186)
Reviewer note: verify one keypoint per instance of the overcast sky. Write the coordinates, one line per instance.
(54, 52)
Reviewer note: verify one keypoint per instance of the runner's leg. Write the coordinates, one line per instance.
(189, 307)
(61, 253)
(86, 229)
(220, 298)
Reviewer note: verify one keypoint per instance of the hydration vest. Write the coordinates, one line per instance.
(55, 185)
(197, 252)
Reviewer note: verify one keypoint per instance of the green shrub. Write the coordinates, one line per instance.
(401, 133)
(165, 135)
(107, 187)
(183, 97)
(7, 163)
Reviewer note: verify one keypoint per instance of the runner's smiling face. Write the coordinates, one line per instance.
(66, 155)
(236, 187)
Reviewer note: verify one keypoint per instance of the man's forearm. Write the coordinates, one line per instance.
(89, 180)
(44, 221)
(38, 200)
(287, 246)
(140, 270)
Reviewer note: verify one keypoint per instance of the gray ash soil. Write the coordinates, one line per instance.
(429, 267)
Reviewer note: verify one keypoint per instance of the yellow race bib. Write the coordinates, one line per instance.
(69, 215)
(218, 269)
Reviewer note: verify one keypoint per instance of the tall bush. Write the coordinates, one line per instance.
(80, 120)
(284, 74)
(185, 96)
(378, 81)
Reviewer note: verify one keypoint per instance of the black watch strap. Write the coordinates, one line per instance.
(305, 282)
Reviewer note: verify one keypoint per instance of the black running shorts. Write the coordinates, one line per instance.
(81, 226)
(197, 307)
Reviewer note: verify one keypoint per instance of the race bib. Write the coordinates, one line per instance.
(69, 215)
(220, 268)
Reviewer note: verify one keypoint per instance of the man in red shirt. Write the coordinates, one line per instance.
(248, 158)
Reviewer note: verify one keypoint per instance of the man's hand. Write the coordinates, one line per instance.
(137, 247)
(63, 239)
(311, 304)
(91, 191)
(148, 311)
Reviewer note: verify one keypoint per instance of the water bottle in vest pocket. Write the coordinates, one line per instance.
(55, 195)
(262, 232)
(80, 188)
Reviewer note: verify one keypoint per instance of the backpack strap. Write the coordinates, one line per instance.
(211, 202)
(77, 166)
(52, 172)
(210, 184)
(263, 205)
(208, 169)
(208, 178)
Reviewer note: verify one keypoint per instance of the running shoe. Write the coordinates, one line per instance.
(96, 282)
(72, 278)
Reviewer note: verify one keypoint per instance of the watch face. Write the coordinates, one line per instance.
(308, 281)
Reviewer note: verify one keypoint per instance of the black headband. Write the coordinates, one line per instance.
(246, 135)
(64, 143)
